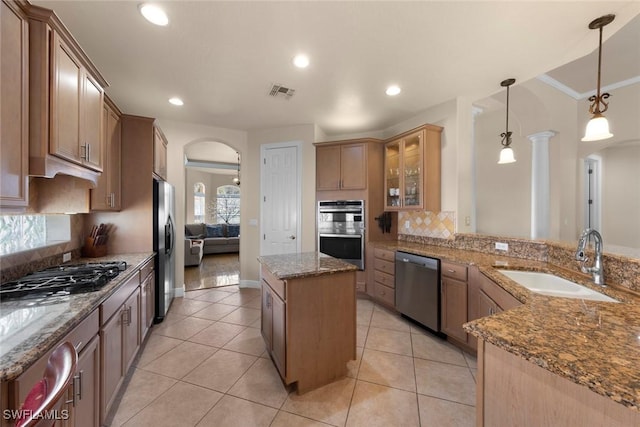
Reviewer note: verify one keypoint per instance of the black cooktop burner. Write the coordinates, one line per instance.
(63, 280)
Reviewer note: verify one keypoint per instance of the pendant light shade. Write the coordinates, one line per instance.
(597, 129)
(506, 154)
(598, 126)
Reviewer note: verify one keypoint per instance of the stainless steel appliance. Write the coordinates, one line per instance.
(62, 280)
(341, 230)
(163, 246)
(418, 289)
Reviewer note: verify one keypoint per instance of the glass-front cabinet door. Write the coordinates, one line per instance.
(412, 167)
(403, 172)
(392, 174)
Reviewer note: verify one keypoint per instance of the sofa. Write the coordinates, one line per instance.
(218, 238)
(193, 252)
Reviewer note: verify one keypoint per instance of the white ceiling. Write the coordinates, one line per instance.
(221, 58)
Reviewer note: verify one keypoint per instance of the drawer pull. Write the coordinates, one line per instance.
(451, 271)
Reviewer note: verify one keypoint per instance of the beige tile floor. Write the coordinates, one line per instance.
(206, 365)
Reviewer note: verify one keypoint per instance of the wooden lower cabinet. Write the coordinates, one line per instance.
(454, 300)
(512, 391)
(120, 341)
(274, 325)
(384, 284)
(87, 397)
(147, 305)
(309, 326)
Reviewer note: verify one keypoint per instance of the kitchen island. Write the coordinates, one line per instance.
(309, 317)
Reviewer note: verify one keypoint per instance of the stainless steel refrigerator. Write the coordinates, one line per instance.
(164, 246)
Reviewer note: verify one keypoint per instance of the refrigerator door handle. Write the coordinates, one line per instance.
(168, 236)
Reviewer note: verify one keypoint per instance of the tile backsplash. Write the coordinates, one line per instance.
(21, 263)
(427, 224)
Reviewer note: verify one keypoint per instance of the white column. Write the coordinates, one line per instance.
(540, 192)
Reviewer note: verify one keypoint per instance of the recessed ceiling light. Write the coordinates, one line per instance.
(154, 14)
(176, 101)
(301, 61)
(393, 90)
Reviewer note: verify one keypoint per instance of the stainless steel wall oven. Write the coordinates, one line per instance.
(341, 230)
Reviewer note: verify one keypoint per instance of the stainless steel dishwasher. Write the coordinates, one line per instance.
(418, 289)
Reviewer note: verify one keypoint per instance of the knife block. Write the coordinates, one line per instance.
(89, 250)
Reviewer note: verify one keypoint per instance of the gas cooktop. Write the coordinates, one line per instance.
(63, 280)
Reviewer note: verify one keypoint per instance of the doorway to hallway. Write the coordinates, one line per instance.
(214, 271)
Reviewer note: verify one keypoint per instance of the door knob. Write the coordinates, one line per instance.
(292, 237)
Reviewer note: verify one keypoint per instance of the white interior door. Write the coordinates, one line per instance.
(281, 209)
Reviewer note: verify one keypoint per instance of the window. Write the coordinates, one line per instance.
(198, 202)
(226, 206)
(24, 232)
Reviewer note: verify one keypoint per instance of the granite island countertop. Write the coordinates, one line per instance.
(305, 264)
(592, 343)
(29, 328)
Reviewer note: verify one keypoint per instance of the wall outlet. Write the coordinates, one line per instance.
(467, 220)
(502, 246)
(66, 257)
(406, 224)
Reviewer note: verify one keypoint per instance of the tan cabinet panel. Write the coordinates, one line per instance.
(106, 196)
(159, 154)
(14, 106)
(454, 308)
(328, 168)
(341, 167)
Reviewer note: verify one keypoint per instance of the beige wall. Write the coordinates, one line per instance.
(305, 134)
(179, 135)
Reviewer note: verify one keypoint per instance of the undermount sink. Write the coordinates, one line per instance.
(548, 284)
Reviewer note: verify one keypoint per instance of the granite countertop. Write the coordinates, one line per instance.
(29, 328)
(592, 343)
(305, 264)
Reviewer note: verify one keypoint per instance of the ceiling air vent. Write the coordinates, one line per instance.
(278, 90)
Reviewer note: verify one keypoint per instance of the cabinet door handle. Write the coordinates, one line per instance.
(108, 199)
(86, 152)
(451, 271)
(79, 394)
(113, 200)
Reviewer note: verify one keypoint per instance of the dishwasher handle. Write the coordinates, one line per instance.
(426, 262)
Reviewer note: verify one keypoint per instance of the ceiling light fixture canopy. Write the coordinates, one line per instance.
(506, 154)
(236, 179)
(154, 14)
(598, 126)
(176, 101)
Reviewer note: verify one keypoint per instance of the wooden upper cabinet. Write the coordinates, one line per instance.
(159, 154)
(341, 167)
(14, 106)
(76, 109)
(106, 196)
(65, 102)
(412, 170)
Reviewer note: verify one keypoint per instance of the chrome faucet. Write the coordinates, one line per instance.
(596, 269)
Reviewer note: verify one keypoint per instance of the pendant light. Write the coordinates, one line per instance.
(236, 179)
(506, 154)
(598, 126)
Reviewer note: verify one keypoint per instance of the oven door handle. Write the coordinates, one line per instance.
(348, 236)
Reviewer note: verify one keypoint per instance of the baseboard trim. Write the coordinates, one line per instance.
(179, 292)
(249, 284)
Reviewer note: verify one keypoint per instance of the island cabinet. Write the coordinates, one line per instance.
(341, 166)
(308, 325)
(412, 170)
(119, 339)
(454, 300)
(66, 102)
(512, 391)
(106, 196)
(14, 106)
